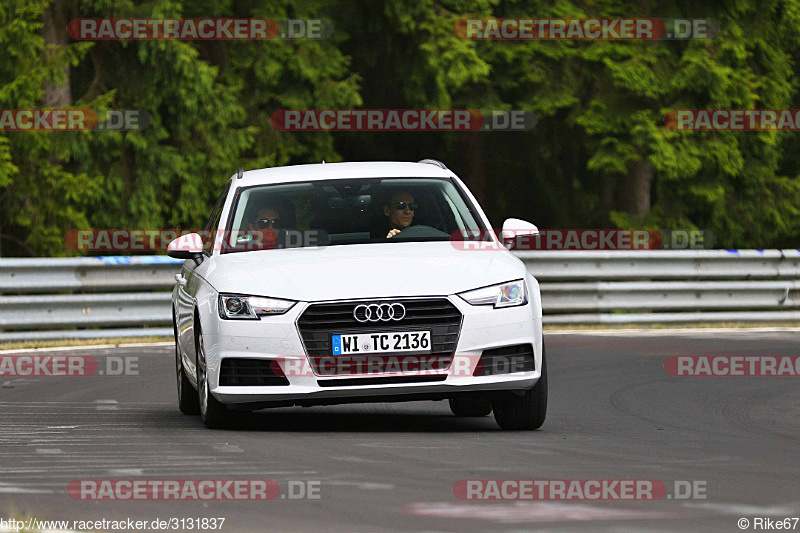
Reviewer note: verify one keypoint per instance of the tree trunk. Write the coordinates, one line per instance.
(54, 31)
(633, 192)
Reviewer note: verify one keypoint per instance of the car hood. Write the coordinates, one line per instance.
(362, 271)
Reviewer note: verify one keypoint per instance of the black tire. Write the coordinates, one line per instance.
(512, 411)
(187, 397)
(213, 413)
(470, 407)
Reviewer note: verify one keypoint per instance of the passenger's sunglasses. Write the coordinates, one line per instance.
(400, 206)
(264, 223)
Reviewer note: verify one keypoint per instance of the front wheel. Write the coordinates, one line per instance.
(213, 413)
(187, 399)
(528, 411)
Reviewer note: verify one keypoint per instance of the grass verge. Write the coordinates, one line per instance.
(56, 343)
(685, 325)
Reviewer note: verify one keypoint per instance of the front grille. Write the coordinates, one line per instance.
(319, 321)
(237, 372)
(506, 360)
(388, 380)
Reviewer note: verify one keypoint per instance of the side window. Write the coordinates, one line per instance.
(213, 221)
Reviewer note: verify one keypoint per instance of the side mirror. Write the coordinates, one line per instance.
(187, 247)
(513, 228)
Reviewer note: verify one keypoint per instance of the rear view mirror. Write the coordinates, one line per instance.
(513, 228)
(186, 247)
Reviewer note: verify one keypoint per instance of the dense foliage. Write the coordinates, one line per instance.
(600, 155)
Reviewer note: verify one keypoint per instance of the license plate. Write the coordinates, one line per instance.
(397, 341)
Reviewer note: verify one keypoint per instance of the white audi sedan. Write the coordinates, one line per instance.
(356, 282)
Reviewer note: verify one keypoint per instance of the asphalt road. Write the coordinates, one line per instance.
(614, 414)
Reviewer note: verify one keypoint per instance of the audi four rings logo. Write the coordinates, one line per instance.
(379, 312)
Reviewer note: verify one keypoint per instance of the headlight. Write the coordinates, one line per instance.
(504, 295)
(234, 306)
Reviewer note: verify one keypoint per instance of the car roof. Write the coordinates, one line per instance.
(332, 171)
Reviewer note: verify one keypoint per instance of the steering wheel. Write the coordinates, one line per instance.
(415, 232)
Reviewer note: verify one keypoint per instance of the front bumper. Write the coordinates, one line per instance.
(278, 338)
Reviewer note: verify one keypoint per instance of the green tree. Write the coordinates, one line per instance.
(209, 104)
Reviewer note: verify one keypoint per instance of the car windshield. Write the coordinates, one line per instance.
(344, 211)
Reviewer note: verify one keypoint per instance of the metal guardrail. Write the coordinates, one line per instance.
(39, 306)
(84, 310)
(670, 295)
(667, 264)
(667, 286)
(32, 276)
(126, 296)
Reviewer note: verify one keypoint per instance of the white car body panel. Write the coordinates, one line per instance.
(362, 271)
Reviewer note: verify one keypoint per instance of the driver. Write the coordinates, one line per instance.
(264, 228)
(267, 218)
(399, 211)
